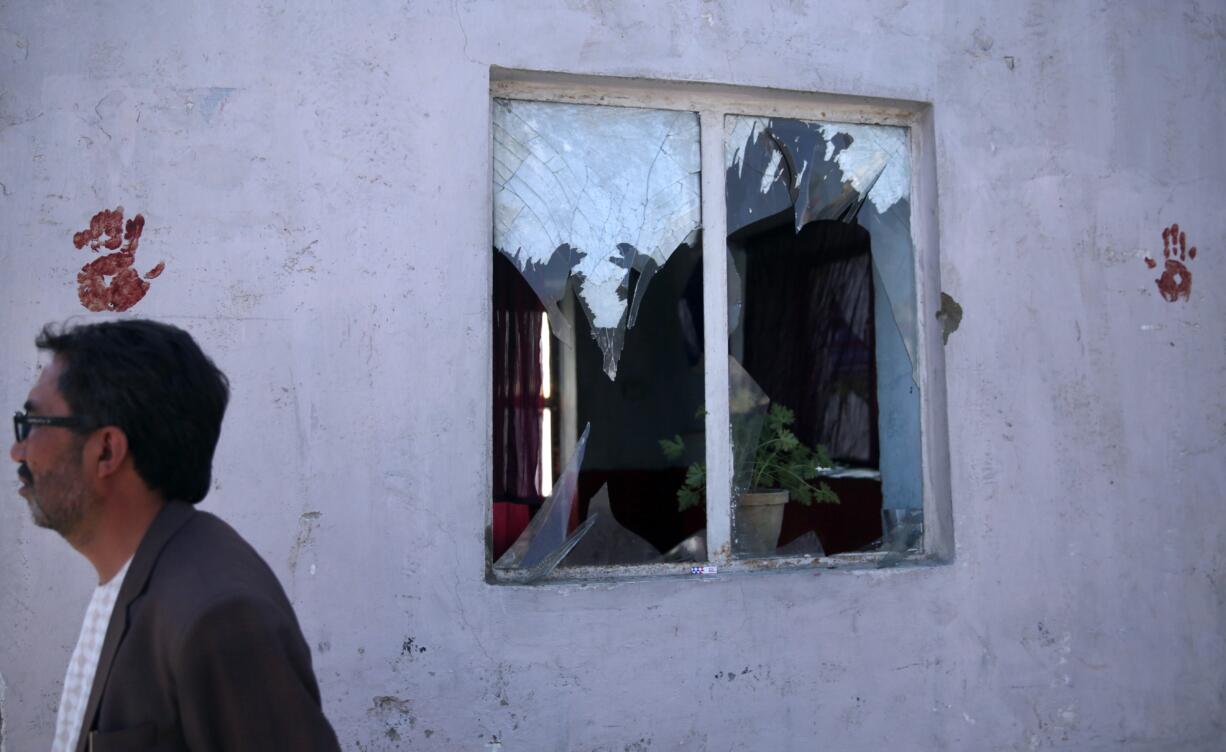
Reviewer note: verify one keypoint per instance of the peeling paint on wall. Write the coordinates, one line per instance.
(206, 102)
(124, 288)
(307, 523)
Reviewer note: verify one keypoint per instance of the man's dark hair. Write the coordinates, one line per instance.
(152, 381)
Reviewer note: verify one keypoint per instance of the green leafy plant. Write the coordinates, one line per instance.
(780, 461)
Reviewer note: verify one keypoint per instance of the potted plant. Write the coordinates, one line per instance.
(783, 468)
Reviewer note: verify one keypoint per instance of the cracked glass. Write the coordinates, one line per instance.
(597, 321)
(822, 336)
(594, 199)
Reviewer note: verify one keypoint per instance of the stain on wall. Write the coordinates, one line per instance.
(110, 283)
(410, 647)
(1176, 280)
(307, 522)
(395, 713)
(950, 316)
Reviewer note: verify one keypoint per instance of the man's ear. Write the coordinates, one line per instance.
(108, 448)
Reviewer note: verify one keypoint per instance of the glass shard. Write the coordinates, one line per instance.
(544, 567)
(594, 197)
(898, 410)
(545, 535)
(805, 545)
(747, 406)
(609, 543)
(894, 270)
(874, 160)
(693, 548)
(819, 170)
(903, 529)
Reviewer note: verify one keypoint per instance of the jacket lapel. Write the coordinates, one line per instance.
(172, 517)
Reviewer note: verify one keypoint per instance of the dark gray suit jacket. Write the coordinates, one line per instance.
(203, 651)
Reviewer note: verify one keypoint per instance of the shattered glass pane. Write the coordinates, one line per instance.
(823, 321)
(608, 542)
(827, 171)
(903, 534)
(597, 198)
(547, 533)
(597, 320)
(904, 529)
(747, 406)
(693, 548)
(648, 426)
(806, 544)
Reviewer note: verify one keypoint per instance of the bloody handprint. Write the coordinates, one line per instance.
(1176, 279)
(108, 230)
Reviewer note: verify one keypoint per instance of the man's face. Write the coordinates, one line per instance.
(50, 461)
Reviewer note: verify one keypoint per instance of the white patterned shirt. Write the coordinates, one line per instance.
(79, 679)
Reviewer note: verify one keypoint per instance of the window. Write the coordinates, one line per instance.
(706, 345)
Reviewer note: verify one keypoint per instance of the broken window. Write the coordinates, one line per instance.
(822, 334)
(597, 316)
(603, 371)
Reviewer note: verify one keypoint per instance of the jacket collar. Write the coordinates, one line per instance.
(168, 521)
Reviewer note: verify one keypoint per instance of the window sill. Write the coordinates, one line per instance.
(849, 562)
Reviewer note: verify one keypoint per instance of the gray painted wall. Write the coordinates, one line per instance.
(317, 182)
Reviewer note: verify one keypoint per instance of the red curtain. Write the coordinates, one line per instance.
(518, 406)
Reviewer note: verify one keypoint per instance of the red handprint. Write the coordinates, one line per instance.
(1176, 279)
(126, 288)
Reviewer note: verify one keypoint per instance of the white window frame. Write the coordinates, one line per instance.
(713, 102)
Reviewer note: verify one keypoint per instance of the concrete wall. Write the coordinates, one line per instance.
(316, 180)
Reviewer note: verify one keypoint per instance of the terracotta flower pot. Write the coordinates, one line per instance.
(759, 515)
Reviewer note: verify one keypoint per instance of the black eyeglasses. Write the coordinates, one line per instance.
(22, 422)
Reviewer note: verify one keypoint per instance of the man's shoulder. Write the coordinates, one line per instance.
(206, 564)
(208, 536)
(212, 648)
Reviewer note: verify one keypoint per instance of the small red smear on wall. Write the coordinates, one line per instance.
(1176, 280)
(110, 283)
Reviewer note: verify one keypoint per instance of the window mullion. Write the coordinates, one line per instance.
(715, 339)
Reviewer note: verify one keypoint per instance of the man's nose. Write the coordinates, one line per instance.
(17, 452)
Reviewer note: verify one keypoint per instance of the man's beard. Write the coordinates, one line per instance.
(59, 498)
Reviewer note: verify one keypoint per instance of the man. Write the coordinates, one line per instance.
(189, 641)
